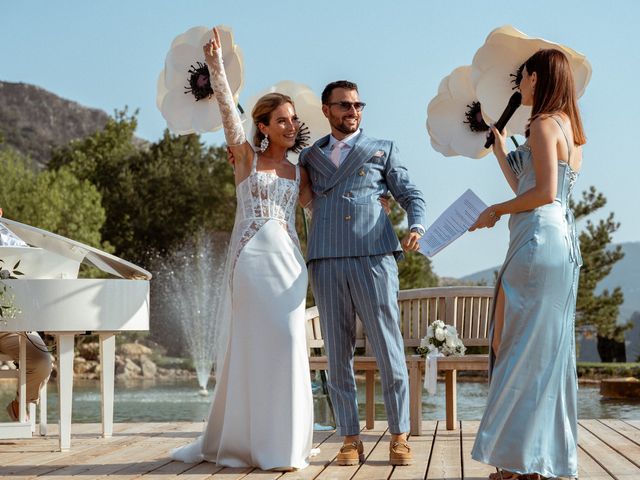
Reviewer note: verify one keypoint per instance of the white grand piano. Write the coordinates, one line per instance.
(52, 299)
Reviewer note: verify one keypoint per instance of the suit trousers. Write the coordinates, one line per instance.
(39, 361)
(366, 286)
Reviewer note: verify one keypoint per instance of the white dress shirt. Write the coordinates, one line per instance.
(348, 141)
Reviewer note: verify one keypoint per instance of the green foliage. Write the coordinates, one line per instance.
(54, 201)
(154, 197)
(599, 312)
(415, 269)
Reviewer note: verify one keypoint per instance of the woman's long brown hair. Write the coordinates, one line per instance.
(555, 90)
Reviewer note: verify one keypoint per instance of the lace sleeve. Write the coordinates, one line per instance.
(231, 122)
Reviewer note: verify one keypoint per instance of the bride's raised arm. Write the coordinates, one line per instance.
(233, 131)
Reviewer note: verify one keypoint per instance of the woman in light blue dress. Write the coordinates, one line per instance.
(529, 427)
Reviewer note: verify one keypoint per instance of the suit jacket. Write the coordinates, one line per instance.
(348, 220)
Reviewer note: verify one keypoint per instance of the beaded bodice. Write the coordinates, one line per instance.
(264, 196)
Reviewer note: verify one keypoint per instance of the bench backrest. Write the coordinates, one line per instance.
(467, 308)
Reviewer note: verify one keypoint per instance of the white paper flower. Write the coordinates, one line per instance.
(503, 52)
(454, 120)
(308, 108)
(179, 107)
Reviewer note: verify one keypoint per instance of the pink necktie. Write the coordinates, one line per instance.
(335, 153)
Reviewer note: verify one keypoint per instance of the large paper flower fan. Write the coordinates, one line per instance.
(184, 94)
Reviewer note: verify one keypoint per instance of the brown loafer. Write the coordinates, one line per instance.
(400, 454)
(351, 454)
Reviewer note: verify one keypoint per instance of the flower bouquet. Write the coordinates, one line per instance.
(441, 341)
(441, 338)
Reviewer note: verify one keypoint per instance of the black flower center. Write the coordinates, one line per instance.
(516, 78)
(302, 138)
(474, 118)
(199, 83)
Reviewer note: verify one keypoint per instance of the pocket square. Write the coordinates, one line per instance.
(379, 153)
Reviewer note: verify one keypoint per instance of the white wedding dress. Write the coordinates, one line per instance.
(262, 411)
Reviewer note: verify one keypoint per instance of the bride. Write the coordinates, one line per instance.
(262, 408)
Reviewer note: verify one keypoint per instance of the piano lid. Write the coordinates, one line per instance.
(76, 251)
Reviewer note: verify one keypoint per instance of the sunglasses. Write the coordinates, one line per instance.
(346, 106)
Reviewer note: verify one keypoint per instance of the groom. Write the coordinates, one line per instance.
(352, 254)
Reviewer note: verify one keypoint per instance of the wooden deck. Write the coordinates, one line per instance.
(609, 449)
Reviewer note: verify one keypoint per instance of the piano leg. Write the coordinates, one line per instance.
(107, 367)
(22, 380)
(65, 343)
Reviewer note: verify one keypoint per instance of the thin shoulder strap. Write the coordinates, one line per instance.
(254, 165)
(298, 172)
(566, 139)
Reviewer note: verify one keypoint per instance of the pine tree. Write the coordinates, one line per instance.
(598, 312)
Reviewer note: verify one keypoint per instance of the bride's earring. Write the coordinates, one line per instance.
(264, 144)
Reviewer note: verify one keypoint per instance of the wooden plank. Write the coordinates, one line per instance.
(623, 428)
(405, 319)
(415, 396)
(329, 447)
(229, 473)
(106, 461)
(370, 398)
(470, 467)
(30, 463)
(590, 469)
(445, 461)
(618, 442)
(455, 291)
(377, 463)
(201, 471)
(415, 323)
(614, 463)
(421, 449)
(466, 319)
(449, 311)
(451, 399)
(634, 423)
(369, 439)
(145, 457)
(424, 317)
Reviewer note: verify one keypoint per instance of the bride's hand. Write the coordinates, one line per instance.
(211, 46)
(487, 219)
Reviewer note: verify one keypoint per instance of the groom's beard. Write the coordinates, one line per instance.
(347, 128)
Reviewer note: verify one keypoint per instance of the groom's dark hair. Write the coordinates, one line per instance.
(326, 93)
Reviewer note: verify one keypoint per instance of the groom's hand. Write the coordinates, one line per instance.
(410, 242)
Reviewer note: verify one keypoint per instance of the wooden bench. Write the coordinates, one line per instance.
(467, 308)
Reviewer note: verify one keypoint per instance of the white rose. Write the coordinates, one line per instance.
(439, 334)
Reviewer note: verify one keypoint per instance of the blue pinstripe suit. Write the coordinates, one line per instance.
(352, 268)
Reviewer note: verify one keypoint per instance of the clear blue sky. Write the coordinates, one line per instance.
(108, 55)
